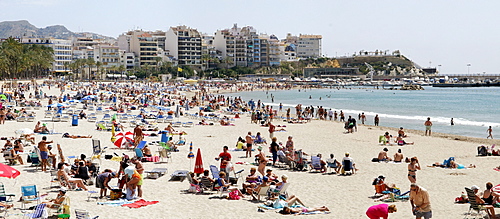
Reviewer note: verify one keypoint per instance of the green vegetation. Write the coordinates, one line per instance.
(19, 60)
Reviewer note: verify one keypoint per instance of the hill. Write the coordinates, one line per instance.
(24, 28)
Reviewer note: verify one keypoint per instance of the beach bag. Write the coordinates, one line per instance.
(65, 207)
(280, 204)
(233, 195)
(482, 151)
(375, 159)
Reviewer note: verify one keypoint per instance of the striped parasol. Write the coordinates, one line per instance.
(191, 154)
(496, 190)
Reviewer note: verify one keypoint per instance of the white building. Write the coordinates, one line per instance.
(63, 51)
(309, 46)
(184, 44)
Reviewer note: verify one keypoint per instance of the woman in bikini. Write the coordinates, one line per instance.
(412, 169)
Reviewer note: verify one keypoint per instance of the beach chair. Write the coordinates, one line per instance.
(215, 171)
(263, 191)
(206, 184)
(179, 175)
(347, 167)
(3, 196)
(141, 144)
(177, 124)
(165, 151)
(30, 119)
(35, 157)
(7, 155)
(169, 119)
(96, 150)
(53, 179)
(138, 153)
(83, 214)
(474, 206)
(315, 163)
(29, 194)
(281, 191)
(21, 119)
(156, 173)
(38, 212)
(300, 163)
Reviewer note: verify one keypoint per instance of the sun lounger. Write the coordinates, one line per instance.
(156, 173)
(179, 175)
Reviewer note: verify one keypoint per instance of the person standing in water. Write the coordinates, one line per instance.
(452, 123)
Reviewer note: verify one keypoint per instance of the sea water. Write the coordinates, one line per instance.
(472, 109)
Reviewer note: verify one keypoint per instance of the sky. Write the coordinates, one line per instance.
(448, 35)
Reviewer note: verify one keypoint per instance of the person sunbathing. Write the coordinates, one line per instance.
(67, 135)
(56, 202)
(401, 142)
(382, 156)
(302, 210)
(290, 201)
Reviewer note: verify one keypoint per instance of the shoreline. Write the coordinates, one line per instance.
(395, 129)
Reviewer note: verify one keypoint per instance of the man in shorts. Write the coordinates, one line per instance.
(249, 140)
(428, 126)
(44, 151)
(420, 203)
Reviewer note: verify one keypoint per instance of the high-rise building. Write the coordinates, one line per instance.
(63, 51)
(142, 44)
(184, 44)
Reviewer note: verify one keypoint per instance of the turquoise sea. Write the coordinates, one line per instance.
(472, 109)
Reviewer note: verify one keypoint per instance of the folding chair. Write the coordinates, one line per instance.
(29, 194)
(38, 212)
(141, 144)
(3, 195)
(96, 150)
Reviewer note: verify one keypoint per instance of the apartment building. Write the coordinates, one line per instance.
(108, 55)
(142, 44)
(63, 51)
(185, 45)
(309, 46)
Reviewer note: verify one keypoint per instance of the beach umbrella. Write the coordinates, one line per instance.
(122, 138)
(74, 101)
(190, 154)
(496, 189)
(24, 131)
(198, 163)
(8, 171)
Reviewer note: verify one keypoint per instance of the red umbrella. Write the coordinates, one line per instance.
(198, 164)
(122, 138)
(496, 189)
(9, 172)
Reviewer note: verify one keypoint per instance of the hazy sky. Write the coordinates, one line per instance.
(430, 32)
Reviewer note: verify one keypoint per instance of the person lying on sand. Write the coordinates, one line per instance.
(67, 135)
(302, 210)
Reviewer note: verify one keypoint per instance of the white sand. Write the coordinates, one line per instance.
(346, 196)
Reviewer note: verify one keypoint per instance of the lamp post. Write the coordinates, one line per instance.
(468, 68)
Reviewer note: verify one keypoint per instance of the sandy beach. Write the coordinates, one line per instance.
(346, 196)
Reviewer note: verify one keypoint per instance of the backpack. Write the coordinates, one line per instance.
(482, 151)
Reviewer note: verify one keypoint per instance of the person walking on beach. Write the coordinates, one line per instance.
(413, 166)
(428, 126)
(249, 141)
(44, 152)
(420, 203)
(489, 133)
(376, 120)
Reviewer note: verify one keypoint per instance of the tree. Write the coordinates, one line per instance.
(90, 62)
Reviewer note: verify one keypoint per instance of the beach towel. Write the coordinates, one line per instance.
(115, 203)
(140, 203)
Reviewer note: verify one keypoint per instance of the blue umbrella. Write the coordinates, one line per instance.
(89, 97)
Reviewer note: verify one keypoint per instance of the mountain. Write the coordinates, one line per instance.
(23, 28)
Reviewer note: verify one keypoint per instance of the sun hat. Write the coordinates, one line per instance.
(474, 187)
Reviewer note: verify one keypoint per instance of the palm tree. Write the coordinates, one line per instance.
(228, 60)
(98, 64)
(90, 62)
(121, 69)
